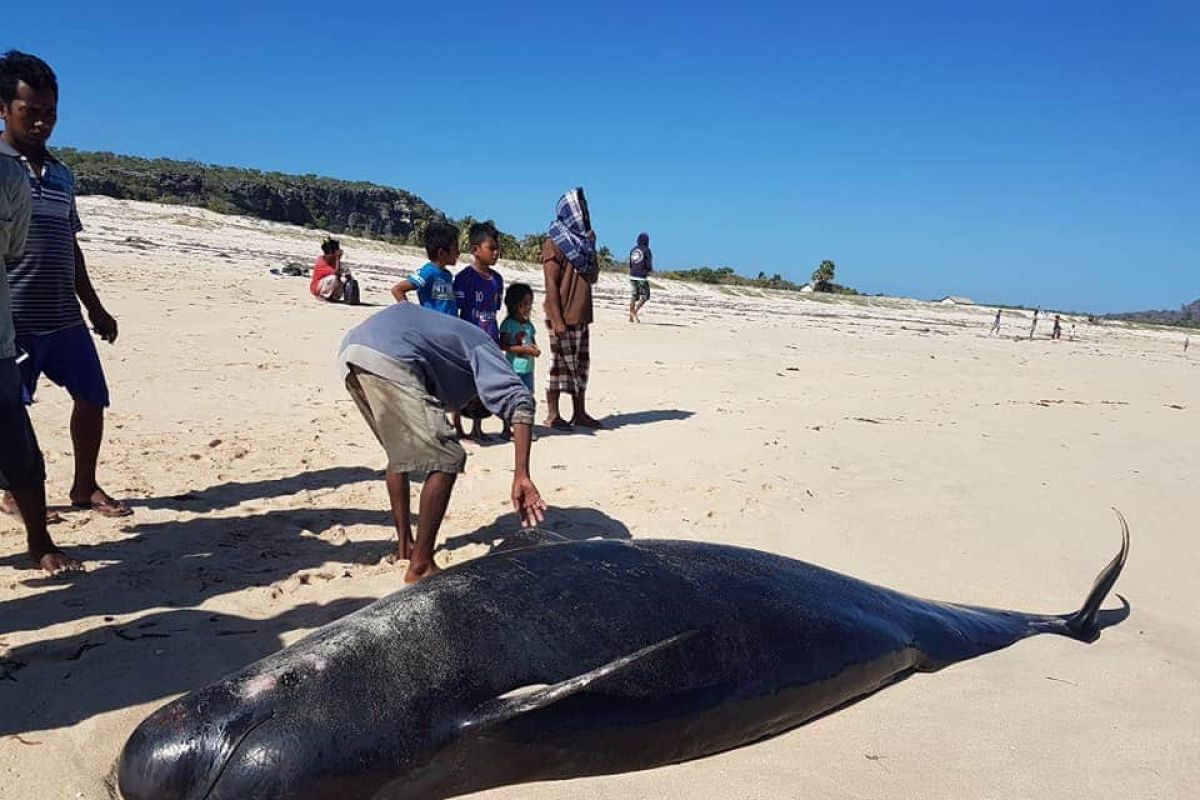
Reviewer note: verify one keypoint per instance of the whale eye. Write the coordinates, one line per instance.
(289, 678)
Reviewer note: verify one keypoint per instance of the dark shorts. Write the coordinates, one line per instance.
(67, 357)
(21, 464)
(640, 288)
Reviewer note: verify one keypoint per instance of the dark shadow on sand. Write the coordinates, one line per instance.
(56, 683)
(228, 495)
(562, 524)
(616, 421)
(182, 563)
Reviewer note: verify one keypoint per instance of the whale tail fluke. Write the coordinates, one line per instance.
(1086, 623)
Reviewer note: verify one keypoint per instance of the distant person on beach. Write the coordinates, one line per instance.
(518, 337)
(1072, 336)
(49, 282)
(331, 280)
(570, 268)
(995, 324)
(479, 292)
(1033, 327)
(405, 367)
(434, 282)
(1187, 340)
(641, 264)
(22, 470)
(1056, 332)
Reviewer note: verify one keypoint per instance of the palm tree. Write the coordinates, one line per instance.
(822, 276)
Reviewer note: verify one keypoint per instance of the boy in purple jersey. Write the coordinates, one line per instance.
(479, 292)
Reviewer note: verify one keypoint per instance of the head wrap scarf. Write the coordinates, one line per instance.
(572, 235)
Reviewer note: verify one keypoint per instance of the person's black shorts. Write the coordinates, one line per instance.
(640, 287)
(21, 464)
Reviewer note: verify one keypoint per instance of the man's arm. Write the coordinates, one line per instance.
(19, 204)
(400, 290)
(552, 272)
(526, 499)
(102, 322)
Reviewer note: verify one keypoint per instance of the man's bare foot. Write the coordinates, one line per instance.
(55, 562)
(587, 422)
(416, 573)
(102, 503)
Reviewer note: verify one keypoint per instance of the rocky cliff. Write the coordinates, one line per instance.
(338, 206)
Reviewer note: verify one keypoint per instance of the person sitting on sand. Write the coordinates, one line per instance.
(331, 280)
(49, 283)
(641, 264)
(405, 367)
(434, 282)
(570, 268)
(22, 470)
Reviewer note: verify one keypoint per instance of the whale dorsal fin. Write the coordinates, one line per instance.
(527, 700)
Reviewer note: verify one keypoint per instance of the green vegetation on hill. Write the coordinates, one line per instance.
(352, 207)
(1188, 316)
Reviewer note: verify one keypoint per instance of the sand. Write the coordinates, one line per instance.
(893, 440)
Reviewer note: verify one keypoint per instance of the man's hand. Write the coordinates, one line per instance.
(527, 502)
(104, 324)
(559, 326)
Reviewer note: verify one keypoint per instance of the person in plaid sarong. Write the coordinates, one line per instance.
(570, 268)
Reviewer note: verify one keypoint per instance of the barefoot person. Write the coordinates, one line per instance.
(570, 268)
(22, 471)
(641, 264)
(405, 367)
(51, 280)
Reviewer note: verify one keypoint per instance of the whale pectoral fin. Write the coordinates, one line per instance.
(515, 704)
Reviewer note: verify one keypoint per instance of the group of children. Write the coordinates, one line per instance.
(476, 294)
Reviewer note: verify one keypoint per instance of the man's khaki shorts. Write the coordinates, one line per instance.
(409, 422)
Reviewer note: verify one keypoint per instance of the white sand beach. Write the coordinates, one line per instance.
(892, 440)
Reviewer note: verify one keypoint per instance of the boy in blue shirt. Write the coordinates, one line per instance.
(434, 283)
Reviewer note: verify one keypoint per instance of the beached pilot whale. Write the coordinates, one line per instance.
(560, 661)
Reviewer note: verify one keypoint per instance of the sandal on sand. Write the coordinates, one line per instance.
(560, 424)
(105, 506)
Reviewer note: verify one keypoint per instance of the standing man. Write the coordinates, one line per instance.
(641, 264)
(51, 280)
(22, 471)
(570, 268)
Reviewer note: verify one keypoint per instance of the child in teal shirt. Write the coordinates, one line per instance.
(518, 337)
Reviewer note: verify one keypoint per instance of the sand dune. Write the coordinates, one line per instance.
(890, 439)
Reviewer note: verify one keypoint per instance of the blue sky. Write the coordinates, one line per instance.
(1018, 152)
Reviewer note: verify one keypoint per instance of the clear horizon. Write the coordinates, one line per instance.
(1016, 154)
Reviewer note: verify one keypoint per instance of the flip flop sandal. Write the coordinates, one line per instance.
(104, 509)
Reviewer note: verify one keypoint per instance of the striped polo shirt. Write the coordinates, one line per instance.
(43, 282)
